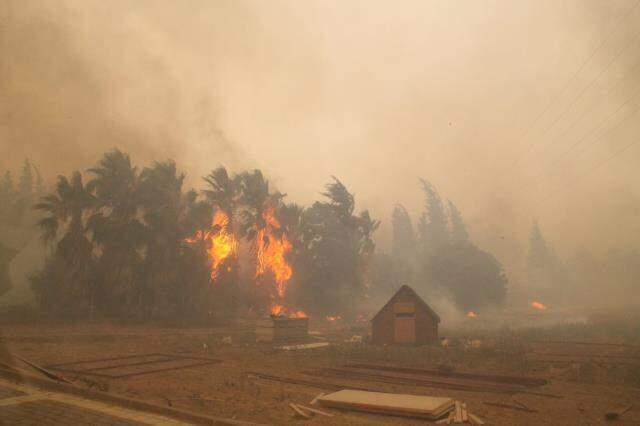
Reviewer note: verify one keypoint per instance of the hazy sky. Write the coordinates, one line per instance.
(377, 93)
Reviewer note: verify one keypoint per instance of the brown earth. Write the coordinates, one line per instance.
(587, 380)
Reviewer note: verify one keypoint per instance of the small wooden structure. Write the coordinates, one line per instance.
(281, 329)
(405, 318)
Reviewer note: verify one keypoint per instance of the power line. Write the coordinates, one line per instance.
(597, 166)
(622, 17)
(588, 110)
(582, 66)
(595, 130)
(580, 94)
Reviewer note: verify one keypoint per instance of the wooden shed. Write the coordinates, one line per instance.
(405, 319)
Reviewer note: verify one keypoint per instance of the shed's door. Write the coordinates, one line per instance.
(404, 322)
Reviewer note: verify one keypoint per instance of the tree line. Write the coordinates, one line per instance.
(437, 255)
(122, 244)
(16, 198)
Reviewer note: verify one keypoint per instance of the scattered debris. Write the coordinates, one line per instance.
(472, 343)
(314, 410)
(313, 384)
(133, 365)
(304, 346)
(475, 419)
(430, 378)
(446, 370)
(314, 401)
(511, 407)
(614, 415)
(389, 403)
(298, 411)
(44, 371)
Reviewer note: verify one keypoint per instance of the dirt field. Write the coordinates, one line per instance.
(585, 380)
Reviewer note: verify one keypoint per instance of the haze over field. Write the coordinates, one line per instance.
(375, 93)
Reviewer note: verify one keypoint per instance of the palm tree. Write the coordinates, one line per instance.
(117, 229)
(160, 195)
(223, 191)
(68, 208)
(340, 200)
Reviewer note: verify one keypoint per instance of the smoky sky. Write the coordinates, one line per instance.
(377, 93)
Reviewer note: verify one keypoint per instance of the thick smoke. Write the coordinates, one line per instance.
(376, 93)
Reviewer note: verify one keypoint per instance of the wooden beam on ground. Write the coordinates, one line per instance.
(44, 371)
(314, 401)
(299, 411)
(314, 410)
(458, 413)
(465, 415)
(475, 419)
(510, 407)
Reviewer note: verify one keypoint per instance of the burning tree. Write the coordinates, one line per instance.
(270, 244)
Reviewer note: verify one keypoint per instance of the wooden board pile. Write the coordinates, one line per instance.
(426, 407)
(281, 329)
(460, 415)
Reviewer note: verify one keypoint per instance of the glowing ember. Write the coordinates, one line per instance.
(221, 243)
(334, 319)
(472, 314)
(272, 251)
(538, 305)
(281, 311)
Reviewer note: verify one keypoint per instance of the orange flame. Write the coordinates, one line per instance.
(221, 243)
(272, 251)
(472, 314)
(282, 311)
(334, 319)
(538, 305)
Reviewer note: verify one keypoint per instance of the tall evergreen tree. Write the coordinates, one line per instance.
(545, 270)
(458, 233)
(403, 246)
(433, 223)
(25, 186)
(539, 259)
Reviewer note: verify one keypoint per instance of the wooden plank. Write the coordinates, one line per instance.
(299, 411)
(404, 307)
(458, 413)
(450, 418)
(314, 401)
(389, 403)
(314, 410)
(304, 346)
(44, 371)
(516, 380)
(475, 419)
(510, 407)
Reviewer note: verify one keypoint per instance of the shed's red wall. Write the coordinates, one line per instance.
(382, 326)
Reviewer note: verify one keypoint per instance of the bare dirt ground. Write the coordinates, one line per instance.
(586, 380)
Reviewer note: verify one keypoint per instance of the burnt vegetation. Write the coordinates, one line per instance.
(134, 244)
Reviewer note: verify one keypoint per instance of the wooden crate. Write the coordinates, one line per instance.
(281, 329)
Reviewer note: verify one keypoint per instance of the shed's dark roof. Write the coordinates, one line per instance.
(412, 293)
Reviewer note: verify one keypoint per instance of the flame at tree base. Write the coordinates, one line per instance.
(282, 311)
(472, 314)
(538, 305)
